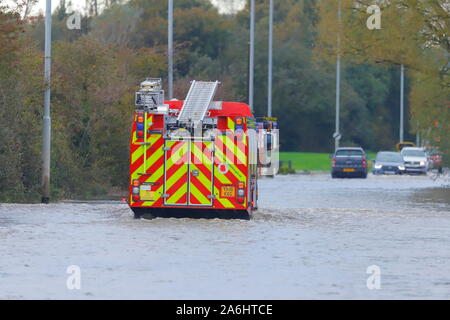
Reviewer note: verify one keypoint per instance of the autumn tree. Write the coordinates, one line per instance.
(20, 100)
(414, 33)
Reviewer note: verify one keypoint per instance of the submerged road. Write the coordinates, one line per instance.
(313, 237)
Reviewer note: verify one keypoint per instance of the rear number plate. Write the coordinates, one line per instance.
(228, 192)
(349, 170)
(147, 195)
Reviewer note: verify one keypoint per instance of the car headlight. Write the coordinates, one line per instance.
(422, 163)
(401, 168)
(378, 166)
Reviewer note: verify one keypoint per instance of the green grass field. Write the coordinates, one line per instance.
(309, 161)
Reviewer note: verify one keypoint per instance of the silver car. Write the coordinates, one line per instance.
(416, 160)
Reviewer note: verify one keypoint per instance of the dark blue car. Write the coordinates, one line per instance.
(348, 163)
(389, 163)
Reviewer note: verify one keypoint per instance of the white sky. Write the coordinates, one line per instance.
(79, 5)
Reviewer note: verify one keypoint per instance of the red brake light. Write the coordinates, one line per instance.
(241, 192)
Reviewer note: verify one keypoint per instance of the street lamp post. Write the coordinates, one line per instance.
(337, 135)
(402, 102)
(252, 55)
(46, 125)
(269, 102)
(170, 50)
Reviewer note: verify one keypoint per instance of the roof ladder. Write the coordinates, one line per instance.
(197, 102)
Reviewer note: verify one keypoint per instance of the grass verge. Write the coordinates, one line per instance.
(308, 161)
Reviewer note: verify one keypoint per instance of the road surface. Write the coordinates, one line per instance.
(313, 237)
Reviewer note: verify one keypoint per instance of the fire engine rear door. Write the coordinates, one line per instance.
(201, 179)
(176, 159)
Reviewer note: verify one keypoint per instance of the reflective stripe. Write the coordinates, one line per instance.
(201, 183)
(176, 172)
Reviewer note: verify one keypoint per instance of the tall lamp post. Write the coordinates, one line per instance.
(46, 125)
(269, 102)
(402, 103)
(170, 49)
(252, 55)
(337, 135)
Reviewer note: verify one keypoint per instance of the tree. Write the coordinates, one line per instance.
(412, 31)
(20, 100)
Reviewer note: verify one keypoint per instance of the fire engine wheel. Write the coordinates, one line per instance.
(140, 214)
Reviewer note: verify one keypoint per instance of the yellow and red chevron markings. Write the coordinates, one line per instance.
(183, 173)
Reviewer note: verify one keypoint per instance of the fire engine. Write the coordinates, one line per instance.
(192, 158)
(268, 146)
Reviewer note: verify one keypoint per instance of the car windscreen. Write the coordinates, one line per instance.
(389, 157)
(349, 153)
(413, 153)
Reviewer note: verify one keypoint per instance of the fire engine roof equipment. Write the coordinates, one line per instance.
(198, 100)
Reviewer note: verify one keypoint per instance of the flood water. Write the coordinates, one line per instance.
(313, 238)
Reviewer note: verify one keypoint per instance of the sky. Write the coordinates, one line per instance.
(79, 5)
(40, 6)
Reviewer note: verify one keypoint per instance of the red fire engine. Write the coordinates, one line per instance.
(192, 158)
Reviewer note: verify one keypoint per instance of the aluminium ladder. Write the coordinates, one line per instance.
(197, 102)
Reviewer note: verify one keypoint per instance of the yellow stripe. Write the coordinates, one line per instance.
(199, 155)
(198, 195)
(235, 150)
(177, 156)
(137, 154)
(176, 176)
(231, 124)
(180, 172)
(177, 195)
(223, 180)
(155, 156)
(206, 182)
(196, 149)
(157, 174)
(232, 168)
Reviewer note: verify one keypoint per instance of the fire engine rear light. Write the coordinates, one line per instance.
(239, 123)
(136, 197)
(240, 192)
(136, 183)
(140, 127)
(136, 190)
